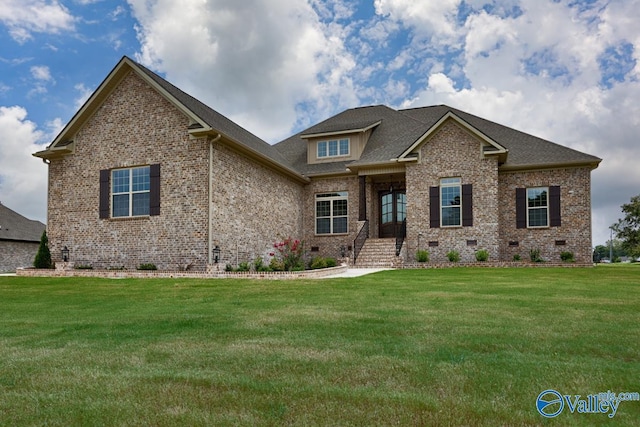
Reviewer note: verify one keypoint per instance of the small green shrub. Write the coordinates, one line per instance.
(534, 255)
(243, 267)
(567, 256)
(259, 265)
(148, 266)
(422, 256)
(516, 257)
(276, 265)
(228, 268)
(453, 256)
(43, 256)
(83, 267)
(482, 255)
(318, 263)
(116, 268)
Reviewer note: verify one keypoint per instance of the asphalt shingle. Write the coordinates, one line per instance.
(14, 226)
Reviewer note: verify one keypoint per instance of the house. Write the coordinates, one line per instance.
(19, 240)
(145, 173)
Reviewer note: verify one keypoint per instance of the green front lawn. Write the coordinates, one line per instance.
(460, 346)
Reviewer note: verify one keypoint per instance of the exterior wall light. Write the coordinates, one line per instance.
(65, 254)
(216, 254)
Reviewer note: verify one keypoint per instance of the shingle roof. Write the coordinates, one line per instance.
(216, 120)
(524, 149)
(392, 132)
(14, 226)
(400, 129)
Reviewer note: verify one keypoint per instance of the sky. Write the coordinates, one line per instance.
(564, 70)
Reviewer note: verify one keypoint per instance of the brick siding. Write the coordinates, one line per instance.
(574, 234)
(453, 152)
(252, 205)
(15, 255)
(329, 245)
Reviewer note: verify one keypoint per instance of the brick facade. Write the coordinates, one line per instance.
(248, 203)
(574, 234)
(253, 207)
(15, 255)
(453, 152)
(329, 245)
(137, 126)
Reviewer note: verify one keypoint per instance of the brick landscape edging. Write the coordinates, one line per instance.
(495, 264)
(156, 274)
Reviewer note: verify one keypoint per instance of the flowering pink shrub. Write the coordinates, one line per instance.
(291, 253)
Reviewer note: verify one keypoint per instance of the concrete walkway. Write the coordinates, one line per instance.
(356, 272)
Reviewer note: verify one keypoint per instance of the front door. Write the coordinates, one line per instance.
(393, 211)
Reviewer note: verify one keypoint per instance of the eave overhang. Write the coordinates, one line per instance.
(56, 152)
(543, 166)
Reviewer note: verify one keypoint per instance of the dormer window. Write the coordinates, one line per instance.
(333, 148)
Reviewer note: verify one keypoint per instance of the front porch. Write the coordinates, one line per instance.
(382, 220)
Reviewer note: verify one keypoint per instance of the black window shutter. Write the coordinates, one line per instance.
(467, 205)
(434, 207)
(521, 208)
(105, 176)
(554, 206)
(154, 189)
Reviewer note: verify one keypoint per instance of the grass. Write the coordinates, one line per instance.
(456, 346)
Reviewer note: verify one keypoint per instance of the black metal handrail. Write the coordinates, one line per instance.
(402, 233)
(358, 243)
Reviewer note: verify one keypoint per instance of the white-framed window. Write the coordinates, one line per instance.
(130, 192)
(451, 202)
(333, 148)
(332, 213)
(537, 207)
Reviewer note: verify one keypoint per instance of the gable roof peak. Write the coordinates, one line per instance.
(205, 119)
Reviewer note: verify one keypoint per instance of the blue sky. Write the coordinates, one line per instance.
(564, 70)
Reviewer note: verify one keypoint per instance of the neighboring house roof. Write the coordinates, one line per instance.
(396, 131)
(14, 226)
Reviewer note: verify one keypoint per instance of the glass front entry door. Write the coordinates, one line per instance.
(393, 211)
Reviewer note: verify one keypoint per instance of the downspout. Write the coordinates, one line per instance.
(210, 250)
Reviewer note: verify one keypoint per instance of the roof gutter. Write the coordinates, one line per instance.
(517, 168)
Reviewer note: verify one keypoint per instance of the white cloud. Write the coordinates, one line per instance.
(84, 94)
(536, 65)
(117, 12)
(255, 61)
(432, 19)
(24, 17)
(41, 72)
(23, 178)
(540, 71)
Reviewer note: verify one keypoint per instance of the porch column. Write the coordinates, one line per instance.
(362, 216)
